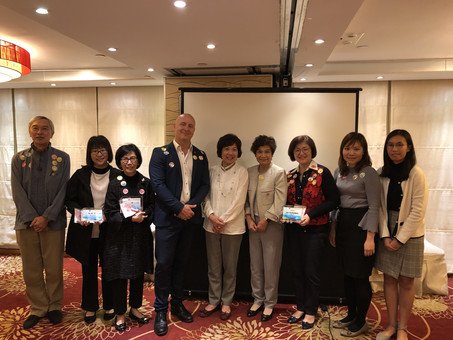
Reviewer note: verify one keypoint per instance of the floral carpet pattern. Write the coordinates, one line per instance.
(432, 316)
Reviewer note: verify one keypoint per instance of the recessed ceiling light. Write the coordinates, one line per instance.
(42, 10)
(53, 84)
(309, 65)
(380, 77)
(179, 4)
(319, 41)
(112, 83)
(303, 79)
(210, 46)
(150, 69)
(112, 49)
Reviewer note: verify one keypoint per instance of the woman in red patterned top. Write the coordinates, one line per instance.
(311, 185)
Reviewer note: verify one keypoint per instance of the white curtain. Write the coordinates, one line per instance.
(125, 114)
(7, 217)
(425, 109)
(133, 115)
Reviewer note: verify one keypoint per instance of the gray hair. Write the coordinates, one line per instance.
(34, 119)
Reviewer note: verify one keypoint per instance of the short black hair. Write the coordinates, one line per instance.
(229, 140)
(302, 139)
(96, 142)
(263, 140)
(124, 150)
(350, 139)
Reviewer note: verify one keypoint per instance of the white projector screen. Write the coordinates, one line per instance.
(326, 115)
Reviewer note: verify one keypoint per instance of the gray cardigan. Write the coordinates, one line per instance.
(54, 191)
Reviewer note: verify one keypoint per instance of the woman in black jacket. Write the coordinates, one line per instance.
(87, 189)
(129, 209)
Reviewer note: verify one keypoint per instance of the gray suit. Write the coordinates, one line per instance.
(265, 200)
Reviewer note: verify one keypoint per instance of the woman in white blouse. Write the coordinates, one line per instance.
(224, 225)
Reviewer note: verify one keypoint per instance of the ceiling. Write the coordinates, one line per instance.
(397, 39)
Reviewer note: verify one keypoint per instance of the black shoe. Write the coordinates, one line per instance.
(292, 319)
(120, 327)
(55, 316)
(89, 319)
(307, 325)
(160, 324)
(267, 317)
(31, 321)
(251, 313)
(109, 316)
(141, 320)
(181, 313)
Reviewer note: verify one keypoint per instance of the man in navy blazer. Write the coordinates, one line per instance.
(180, 178)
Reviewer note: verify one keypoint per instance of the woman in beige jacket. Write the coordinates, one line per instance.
(265, 200)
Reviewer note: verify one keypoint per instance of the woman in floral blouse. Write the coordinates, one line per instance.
(311, 185)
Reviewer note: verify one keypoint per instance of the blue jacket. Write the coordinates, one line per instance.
(166, 180)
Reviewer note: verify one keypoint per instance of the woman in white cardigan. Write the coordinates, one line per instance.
(404, 197)
(224, 225)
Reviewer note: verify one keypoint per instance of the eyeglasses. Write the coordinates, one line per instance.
(304, 150)
(126, 160)
(396, 146)
(101, 151)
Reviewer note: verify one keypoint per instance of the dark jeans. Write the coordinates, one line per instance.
(306, 248)
(119, 287)
(90, 300)
(173, 245)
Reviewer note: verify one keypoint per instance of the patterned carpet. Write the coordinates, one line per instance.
(432, 319)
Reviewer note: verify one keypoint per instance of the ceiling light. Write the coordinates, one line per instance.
(42, 10)
(309, 65)
(303, 79)
(210, 46)
(319, 41)
(179, 4)
(150, 69)
(112, 83)
(14, 61)
(380, 77)
(112, 49)
(53, 84)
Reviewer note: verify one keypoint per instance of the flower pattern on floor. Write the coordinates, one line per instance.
(14, 310)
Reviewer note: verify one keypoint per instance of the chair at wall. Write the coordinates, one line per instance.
(434, 278)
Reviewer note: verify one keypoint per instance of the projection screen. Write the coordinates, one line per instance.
(326, 115)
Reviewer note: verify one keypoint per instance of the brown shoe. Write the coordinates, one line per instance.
(225, 315)
(205, 313)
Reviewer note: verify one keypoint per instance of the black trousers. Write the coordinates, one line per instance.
(119, 288)
(306, 247)
(358, 297)
(173, 244)
(90, 301)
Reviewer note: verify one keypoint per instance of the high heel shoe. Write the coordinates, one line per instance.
(251, 313)
(292, 319)
(141, 320)
(352, 334)
(120, 327)
(267, 317)
(89, 318)
(343, 323)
